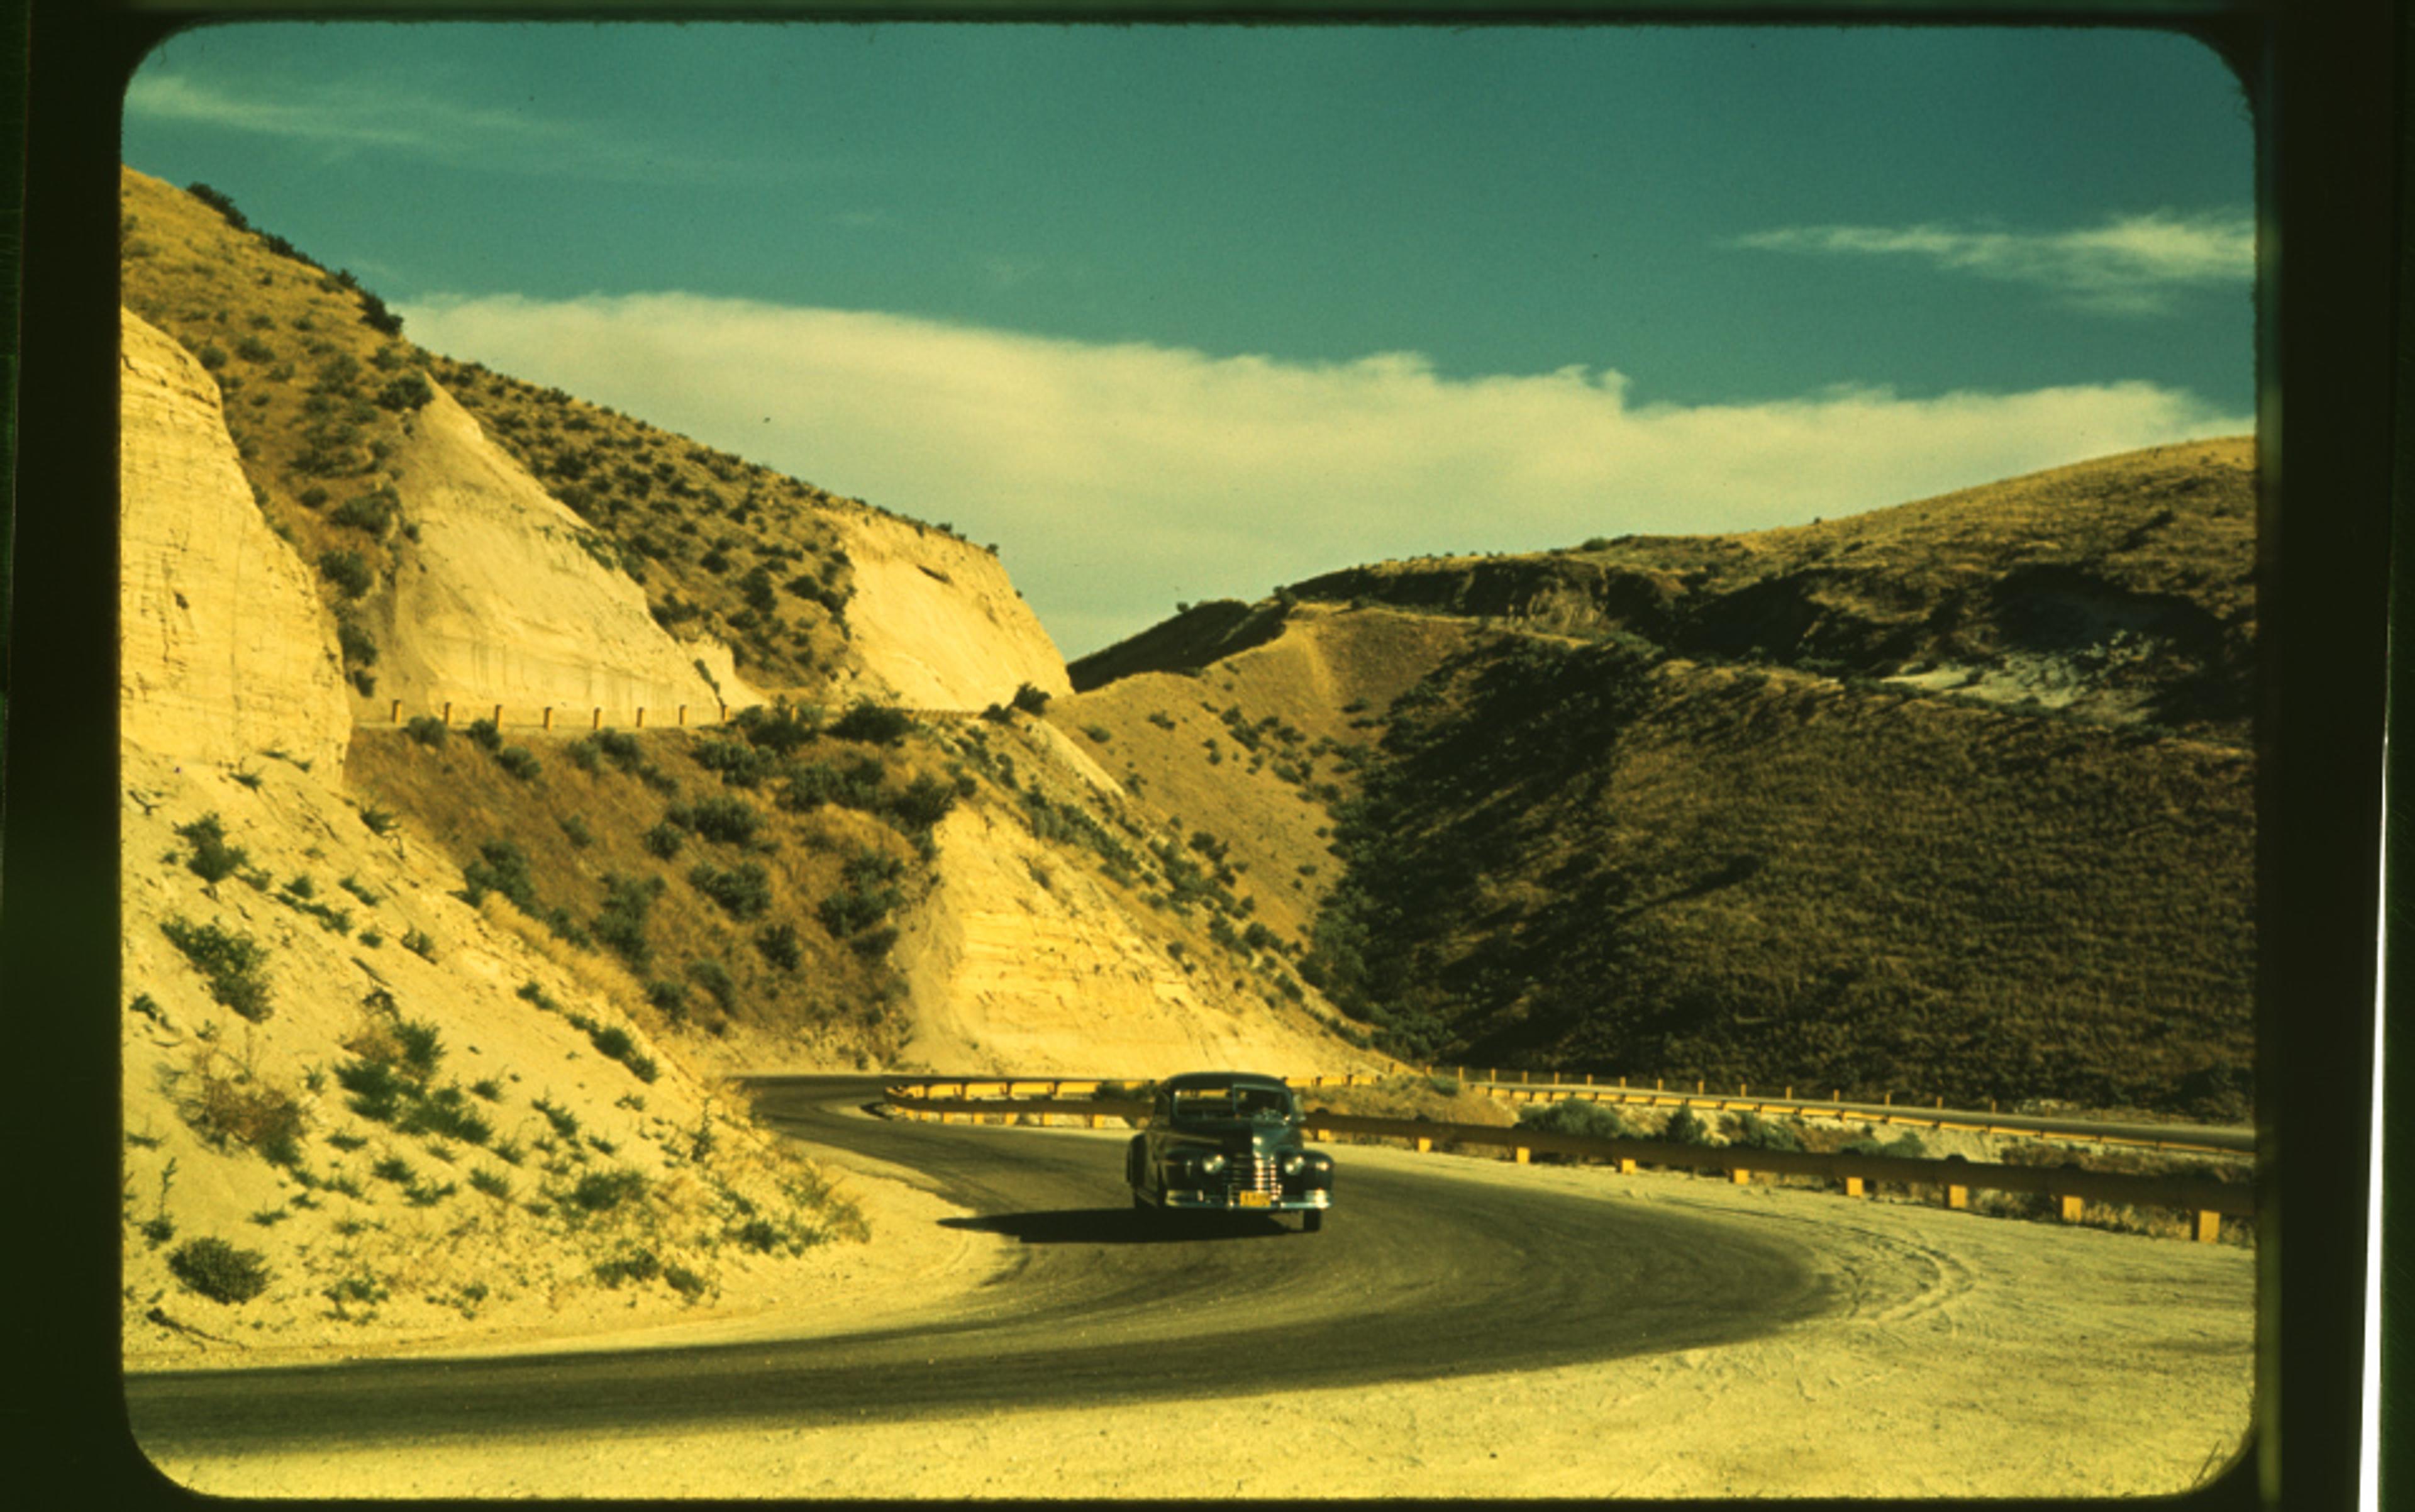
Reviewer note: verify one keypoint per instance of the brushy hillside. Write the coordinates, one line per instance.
(1949, 799)
(746, 880)
(317, 382)
(2122, 587)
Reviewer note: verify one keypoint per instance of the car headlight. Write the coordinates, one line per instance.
(1293, 1163)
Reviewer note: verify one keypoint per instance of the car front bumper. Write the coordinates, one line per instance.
(1194, 1200)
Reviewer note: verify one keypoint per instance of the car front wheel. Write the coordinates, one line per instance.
(1312, 1220)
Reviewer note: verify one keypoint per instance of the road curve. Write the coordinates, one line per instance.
(1415, 1275)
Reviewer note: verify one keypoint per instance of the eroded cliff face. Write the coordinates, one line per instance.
(1026, 958)
(506, 597)
(224, 651)
(936, 620)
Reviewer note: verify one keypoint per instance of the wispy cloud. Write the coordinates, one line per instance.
(373, 116)
(2130, 265)
(1118, 479)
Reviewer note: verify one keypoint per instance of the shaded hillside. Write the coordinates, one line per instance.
(2122, 587)
(1590, 855)
(1949, 799)
(1248, 759)
(1195, 636)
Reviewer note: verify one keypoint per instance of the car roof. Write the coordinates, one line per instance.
(1195, 1079)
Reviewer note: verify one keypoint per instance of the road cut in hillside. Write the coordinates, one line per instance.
(1950, 1355)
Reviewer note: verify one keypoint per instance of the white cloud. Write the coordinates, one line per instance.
(1118, 479)
(2130, 265)
(372, 114)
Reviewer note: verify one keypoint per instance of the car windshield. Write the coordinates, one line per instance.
(1261, 1104)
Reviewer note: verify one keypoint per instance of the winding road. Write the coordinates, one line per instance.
(1414, 1277)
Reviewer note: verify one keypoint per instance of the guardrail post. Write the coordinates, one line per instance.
(448, 713)
(393, 715)
(1836, 1095)
(1887, 1100)
(1739, 1175)
(1094, 1120)
(1854, 1187)
(499, 716)
(682, 715)
(1956, 1197)
(548, 717)
(725, 713)
(1425, 1145)
(1522, 1154)
(641, 716)
(1790, 1094)
(2068, 1207)
(1744, 1089)
(1626, 1166)
(1698, 1087)
(1655, 1084)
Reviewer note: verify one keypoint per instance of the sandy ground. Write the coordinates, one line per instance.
(1972, 1356)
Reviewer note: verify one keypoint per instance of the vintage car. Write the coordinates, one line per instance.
(1227, 1141)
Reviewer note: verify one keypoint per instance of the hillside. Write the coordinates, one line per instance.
(1949, 799)
(486, 801)
(2122, 587)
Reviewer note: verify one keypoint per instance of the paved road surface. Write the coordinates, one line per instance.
(1415, 1275)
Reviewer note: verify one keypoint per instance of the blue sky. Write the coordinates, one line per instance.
(1177, 313)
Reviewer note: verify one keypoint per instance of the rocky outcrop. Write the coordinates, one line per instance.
(224, 650)
(506, 596)
(937, 619)
(1023, 964)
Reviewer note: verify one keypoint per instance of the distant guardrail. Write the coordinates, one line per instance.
(2202, 1203)
(572, 716)
(1554, 1087)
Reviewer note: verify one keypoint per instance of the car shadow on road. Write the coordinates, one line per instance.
(1121, 1225)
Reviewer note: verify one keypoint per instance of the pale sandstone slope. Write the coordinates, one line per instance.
(1022, 960)
(227, 655)
(224, 648)
(499, 601)
(936, 620)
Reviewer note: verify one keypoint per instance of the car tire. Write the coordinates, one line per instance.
(1312, 1220)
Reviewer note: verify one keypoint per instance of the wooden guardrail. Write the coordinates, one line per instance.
(2204, 1203)
(571, 716)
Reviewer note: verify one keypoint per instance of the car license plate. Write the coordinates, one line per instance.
(1254, 1199)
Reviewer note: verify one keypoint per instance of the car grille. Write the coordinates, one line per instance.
(1248, 1174)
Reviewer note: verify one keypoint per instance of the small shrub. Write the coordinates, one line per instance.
(348, 571)
(219, 1270)
(565, 1122)
(1029, 698)
(715, 978)
(686, 1283)
(1683, 1128)
(380, 822)
(232, 963)
(520, 761)
(600, 1191)
(419, 944)
(1904, 1146)
(621, 924)
(873, 723)
(493, 1183)
(669, 1000)
(778, 944)
(664, 840)
(744, 890)
(729, 819)
(483, 734)
(406, 393)
(629, 1265)
(372, 512)
(213, 860)
(501, 867)
(1763, 1133)
(576, 830)
(427, 730)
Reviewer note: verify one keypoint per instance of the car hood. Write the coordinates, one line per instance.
(1235, 1135)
